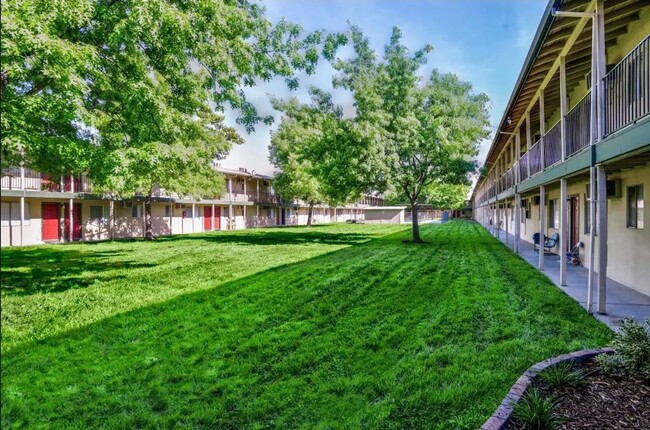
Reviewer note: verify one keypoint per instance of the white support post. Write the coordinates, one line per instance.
(230, 188)
(506, 220)
(542, 130)
(563, 107)
(171, 215)
(602, 241)
(529, 143)
(563, 230)
(245, 208)
(71, 211)
(231, 224)
(193, 216)
(71, 218)
(22, 202)
(111, 218)
(517, 198)
(542, 224)
(599, 24)
(498, 219)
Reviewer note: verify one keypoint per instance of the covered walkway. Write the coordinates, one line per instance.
(622, 301)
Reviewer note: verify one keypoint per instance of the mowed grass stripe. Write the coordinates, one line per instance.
(49, 289)
(381, 334)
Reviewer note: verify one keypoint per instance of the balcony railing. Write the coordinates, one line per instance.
(535, 159)
(627, 89)
(523, 167)
(578, 122)
(553, 145)
(36, 181)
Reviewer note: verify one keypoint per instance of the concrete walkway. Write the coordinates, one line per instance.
(622, 302)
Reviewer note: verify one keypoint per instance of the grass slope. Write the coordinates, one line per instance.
(320, 334)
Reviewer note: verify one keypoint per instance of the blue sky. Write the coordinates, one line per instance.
(484, 42)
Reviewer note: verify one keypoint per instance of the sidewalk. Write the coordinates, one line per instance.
(622, 302)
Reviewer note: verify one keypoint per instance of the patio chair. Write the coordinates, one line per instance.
(573, 257)
(552, 242)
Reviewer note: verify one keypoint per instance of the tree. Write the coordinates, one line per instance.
(122, 87)
(307, 148)
(425, 134)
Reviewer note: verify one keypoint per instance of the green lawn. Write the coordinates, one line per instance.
(336, 326)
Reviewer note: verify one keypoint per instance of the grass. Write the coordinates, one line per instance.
(337, 326)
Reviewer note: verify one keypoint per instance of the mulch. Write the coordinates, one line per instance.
(601, 402)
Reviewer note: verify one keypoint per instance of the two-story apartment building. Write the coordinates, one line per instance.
(571, 154)
(37, 208)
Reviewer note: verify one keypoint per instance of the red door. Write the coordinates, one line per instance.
(50, 221)
(76, 218)
(217, 218)
(207, 218)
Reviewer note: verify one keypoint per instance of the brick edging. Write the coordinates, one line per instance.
(501, 417)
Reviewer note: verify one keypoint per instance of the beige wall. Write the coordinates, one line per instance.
(384, 216)
(628, 248)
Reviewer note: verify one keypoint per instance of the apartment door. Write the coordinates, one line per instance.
(207, 218)
(283, 217)
(574, 222)
(76, 221)
(217, 218)
(50, 212)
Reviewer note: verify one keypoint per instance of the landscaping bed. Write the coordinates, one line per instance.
(601, 392)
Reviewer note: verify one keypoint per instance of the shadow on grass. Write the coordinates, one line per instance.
(275, 237)
(322, 339)
(53, 269)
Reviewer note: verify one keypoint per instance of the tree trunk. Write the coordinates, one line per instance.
(310, 214)
(148, 224)
(416, 226)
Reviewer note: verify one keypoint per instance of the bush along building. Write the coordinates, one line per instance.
(37, 208)
(571, 154)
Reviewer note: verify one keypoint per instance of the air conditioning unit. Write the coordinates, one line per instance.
(126, 204)
(614, 188)
(536, 201)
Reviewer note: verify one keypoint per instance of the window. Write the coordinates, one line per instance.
(11, 214)
(99, 214)
(553, 214)
(136, 211)
(527, 208)
(635, 206)
(588, 209)
(167, 211)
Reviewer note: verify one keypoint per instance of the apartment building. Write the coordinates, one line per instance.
(572, 152)
(37, 208)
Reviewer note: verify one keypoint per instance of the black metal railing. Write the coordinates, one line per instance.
(627, 89)
(577, 123)
(553, 145)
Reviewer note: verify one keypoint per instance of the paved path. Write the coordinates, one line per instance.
(622, 301)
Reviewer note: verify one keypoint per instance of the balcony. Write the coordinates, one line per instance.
(626, 100)
(36, 181)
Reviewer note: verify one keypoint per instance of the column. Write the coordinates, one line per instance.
(542, 130)
(528, 142)
(542, 226)
(563, 230)
(22, 203)
(111, 218)
(600, 64)
(517, 197)
(71, 211)
(563, 108)
(244, 206)
(602, 241)
(231, 224)
(193, 216)
(230, 188)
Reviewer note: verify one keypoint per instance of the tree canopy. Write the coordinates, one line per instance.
(130, 91)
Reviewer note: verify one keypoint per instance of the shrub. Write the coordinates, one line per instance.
(563, 375)
(537, 412)
(631, 351)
